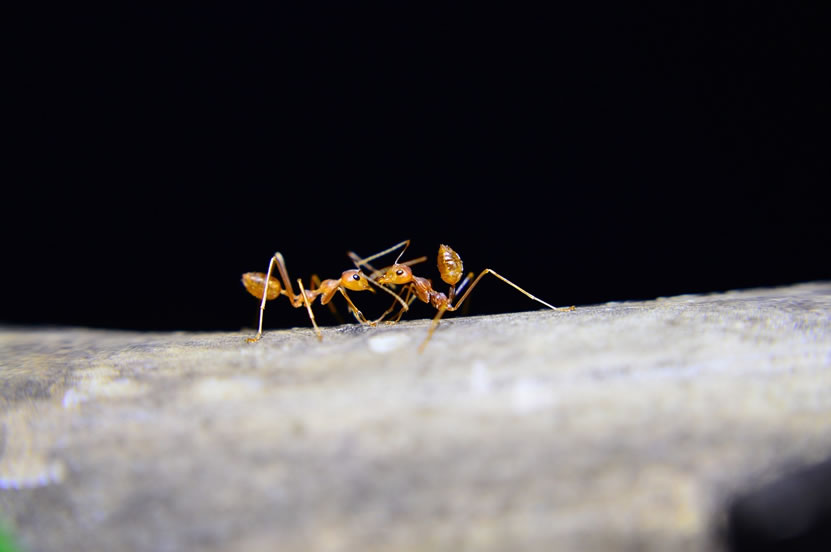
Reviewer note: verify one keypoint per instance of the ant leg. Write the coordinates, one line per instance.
(265, 295)
(277, 259)
(454, 290)
(510, 283)
(433, 327)
(385, 313)
(359, 262)
(405, 306)
(377, 272)
(448, 307)
(284, 275)
(315, 283)
(362, 262)
(359, 316)
(309, 308)
(417, 260)
(411, 297)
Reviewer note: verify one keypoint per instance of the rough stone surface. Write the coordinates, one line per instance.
(622, 426)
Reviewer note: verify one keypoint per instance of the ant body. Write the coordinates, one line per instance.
(353, 280)
(450, 269)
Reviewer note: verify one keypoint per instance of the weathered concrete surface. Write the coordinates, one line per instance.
(615, 427)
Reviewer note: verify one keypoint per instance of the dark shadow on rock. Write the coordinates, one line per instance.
(790, 513)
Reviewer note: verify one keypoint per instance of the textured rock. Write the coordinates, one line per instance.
(623, 426)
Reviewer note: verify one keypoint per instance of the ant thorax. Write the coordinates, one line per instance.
(424, 289)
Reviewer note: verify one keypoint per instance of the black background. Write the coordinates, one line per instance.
(589, 153)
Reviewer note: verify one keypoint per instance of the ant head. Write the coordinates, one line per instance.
(397, 274)
(354, 280)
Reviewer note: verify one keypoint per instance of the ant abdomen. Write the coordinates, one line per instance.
(254, 283)
(450, 265)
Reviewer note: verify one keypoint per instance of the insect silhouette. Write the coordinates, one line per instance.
(450, 269)
(266, 287)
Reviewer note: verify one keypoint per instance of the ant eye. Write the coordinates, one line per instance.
(356, 276)
(399, 272)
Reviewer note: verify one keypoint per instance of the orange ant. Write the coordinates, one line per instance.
(450, 269)
(353, 280)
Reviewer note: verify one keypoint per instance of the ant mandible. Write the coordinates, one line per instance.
(450, 269)
(353, 280)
